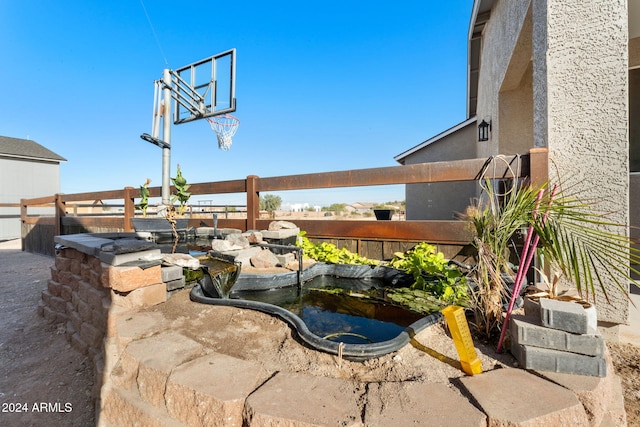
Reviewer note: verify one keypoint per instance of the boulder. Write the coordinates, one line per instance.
(264, 259)
(279, 225)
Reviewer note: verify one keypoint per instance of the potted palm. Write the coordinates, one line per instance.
(575, 242)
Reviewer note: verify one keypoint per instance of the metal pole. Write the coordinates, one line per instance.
(166, 137)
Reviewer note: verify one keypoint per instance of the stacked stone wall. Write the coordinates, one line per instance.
(83, 294)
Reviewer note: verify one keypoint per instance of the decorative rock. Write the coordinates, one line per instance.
(279, 225)
(253, 236)
(218, 245)
(238, 241)
(181, 260)
(264, 259)
(285, 259)
(244, 256)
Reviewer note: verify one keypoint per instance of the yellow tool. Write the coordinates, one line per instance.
(461, 335)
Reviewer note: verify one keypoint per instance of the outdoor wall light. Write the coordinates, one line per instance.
(483, 130)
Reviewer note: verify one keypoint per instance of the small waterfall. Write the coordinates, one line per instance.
(219, 277)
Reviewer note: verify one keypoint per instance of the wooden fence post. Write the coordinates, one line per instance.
(538, 166)
(129, 208)
(61, 211)
(253, 202)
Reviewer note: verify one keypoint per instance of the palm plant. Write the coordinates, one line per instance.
(574, 239)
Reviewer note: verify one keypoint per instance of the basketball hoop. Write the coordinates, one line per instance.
(225, 126)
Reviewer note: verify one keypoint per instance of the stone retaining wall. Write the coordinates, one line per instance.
(84, 292)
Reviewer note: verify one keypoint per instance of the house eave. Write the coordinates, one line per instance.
(400, 157)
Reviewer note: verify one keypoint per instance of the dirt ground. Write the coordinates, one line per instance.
(44, 382)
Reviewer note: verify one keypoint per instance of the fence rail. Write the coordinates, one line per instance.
(532, 165)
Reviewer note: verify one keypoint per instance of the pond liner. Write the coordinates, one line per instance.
(355, 352)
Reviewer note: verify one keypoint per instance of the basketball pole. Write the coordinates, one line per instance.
(166, 137)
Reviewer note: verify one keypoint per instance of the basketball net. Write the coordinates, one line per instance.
(225, 126)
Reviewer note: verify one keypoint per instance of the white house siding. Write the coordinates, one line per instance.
(24, 179)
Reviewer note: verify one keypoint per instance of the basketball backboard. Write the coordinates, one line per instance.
(205, 88)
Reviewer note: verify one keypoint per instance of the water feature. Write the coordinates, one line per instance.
(338, 309)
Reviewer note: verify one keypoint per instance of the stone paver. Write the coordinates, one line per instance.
(514, 397)
(158, 356)
(211, 390)
(292, 399)
(412, 403)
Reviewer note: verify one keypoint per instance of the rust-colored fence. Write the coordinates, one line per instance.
(369, 238)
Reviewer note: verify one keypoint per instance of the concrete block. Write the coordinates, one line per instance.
(125, 408)
(158, 356)
(171, 273)
(114, 259)
(124, 279)
(283, 233)
(293, 399)
(563, 315)
(54, 288)
(404, 404)
(528, 330)
(142, 297)
(285, 259)
(176, 284)
(211, 390)
(90, 335)
(129, 326)
(543, 359)
(85, 243)
(515, 397)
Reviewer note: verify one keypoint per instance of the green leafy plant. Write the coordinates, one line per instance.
(144, 197)
(432, 274)
(330, 253)
(181, 194)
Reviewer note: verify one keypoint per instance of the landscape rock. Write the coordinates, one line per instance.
(238, 241)
(279, 225)
(253, 236)
(218, 245)
(181, 260)
(265, 259)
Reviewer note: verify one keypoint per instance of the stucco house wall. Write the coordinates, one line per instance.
(441, 201)
(561, 75)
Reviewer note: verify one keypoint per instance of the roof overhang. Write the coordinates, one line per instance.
(400, 157)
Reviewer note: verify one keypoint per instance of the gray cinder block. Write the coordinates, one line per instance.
(528, 330)
(563, 315)
(543, 359)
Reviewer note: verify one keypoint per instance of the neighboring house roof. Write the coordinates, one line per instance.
(26, 149)
(402, 156)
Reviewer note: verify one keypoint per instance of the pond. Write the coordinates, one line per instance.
(340, 309)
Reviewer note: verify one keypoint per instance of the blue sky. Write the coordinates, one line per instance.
(321, 85)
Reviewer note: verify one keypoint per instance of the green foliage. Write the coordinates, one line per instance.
(270, 202)
(335, 207)
(181, 194)
(144, 197)
(330, 253)
(416, 300)
(432, 274)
